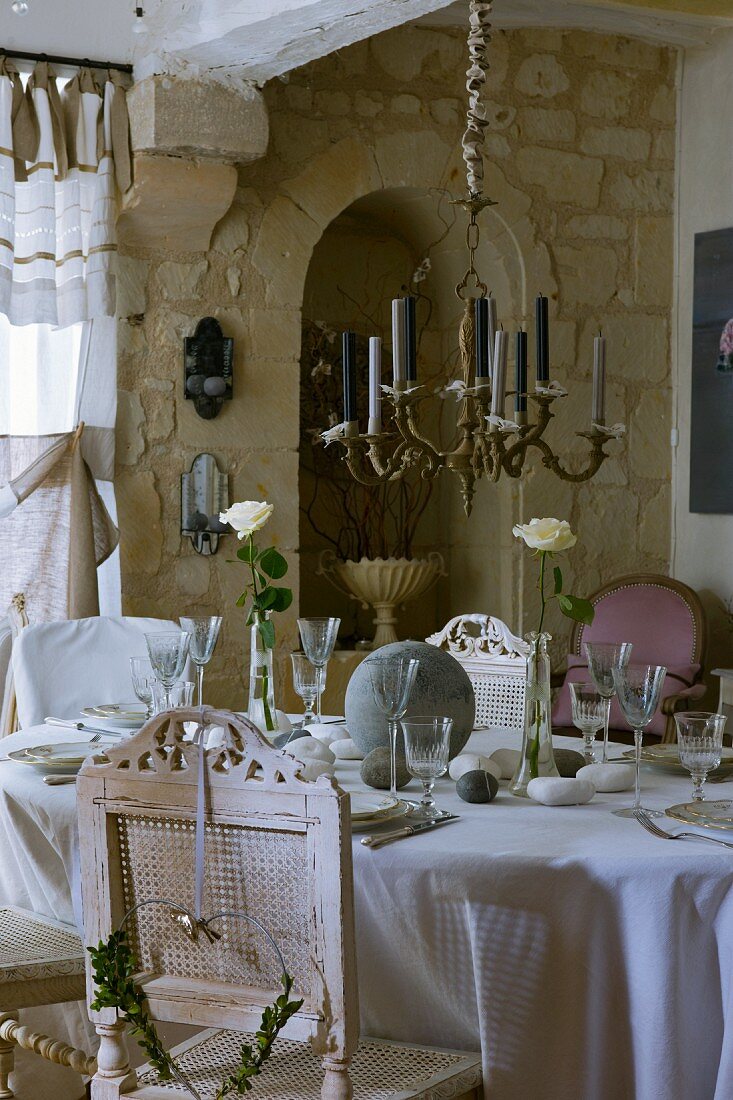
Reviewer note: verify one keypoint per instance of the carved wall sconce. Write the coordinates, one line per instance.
(204, 494)
(208, 358)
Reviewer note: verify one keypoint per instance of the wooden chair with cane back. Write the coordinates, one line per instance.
(275, 848)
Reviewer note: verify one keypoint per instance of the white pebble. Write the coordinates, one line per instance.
(326, 734)
(507, 760)
(346, 749)
(608, 778)
(311, 769)
(560, 792)
(472, 762)
(308, 748)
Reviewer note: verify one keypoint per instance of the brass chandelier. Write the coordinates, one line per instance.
(487, 444)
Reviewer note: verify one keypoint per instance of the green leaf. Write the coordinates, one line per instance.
(575, 608)
(273, 563)
(283, 599)
(267, 633)
(557, 574)
(247, 553)
(242, 599)
(266, 599)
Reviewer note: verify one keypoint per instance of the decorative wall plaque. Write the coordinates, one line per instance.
(208, 358)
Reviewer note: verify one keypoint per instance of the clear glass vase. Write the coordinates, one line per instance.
(261, 710)
(537, 758)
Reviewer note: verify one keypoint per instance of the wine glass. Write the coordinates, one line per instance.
(392, 680)
(318, 637)
(306, 684)
(204, 633)
(427, 745)
(168, 650)
(603, 658)
(143, 678)
(700, 741)
(589, 713)
(181, 695)
(638, 688)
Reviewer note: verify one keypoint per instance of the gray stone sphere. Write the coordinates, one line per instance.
(376, 770)
(477, 786)
(442, 687)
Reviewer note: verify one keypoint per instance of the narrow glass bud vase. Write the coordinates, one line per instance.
(261, 710)
(537, 758)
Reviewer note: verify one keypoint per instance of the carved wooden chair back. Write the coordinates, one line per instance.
(276, 847)
(496, 663)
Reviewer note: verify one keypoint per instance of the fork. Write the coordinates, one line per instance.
(650, 827)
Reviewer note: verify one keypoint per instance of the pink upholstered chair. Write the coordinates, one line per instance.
(665, 621)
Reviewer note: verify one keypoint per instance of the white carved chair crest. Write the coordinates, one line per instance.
(477, 636)
(237, 754)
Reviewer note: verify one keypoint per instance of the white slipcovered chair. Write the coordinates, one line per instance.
(496, 663)
(276, 848)
(61, 667)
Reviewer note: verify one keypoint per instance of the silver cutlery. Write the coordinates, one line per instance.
(654, 829)
(70, 724)
(58, 780)
(407, 830)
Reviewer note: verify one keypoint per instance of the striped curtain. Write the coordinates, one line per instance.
(64, 155)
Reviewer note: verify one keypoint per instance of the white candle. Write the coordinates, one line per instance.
(598, 410)
(375, 384)
(398, 342)
(498, 378)
(491, 331)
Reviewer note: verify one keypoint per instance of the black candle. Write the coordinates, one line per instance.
(543, 339)
(520, 400)
(348, 343)
(481, 327)
(410, 340)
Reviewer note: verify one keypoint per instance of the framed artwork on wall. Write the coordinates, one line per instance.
(711, 447)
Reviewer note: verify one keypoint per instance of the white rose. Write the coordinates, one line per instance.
(247, 517)
(546, 534)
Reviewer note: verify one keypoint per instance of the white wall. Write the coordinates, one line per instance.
(702, 550)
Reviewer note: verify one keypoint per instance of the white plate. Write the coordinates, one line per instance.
(114, 715)
(52, 762)
(668, 758)
(367, 806)
(708, 815)
(363, 825)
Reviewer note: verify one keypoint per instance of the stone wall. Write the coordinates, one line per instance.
(581, 155)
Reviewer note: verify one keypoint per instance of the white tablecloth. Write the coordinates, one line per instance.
(586, 959)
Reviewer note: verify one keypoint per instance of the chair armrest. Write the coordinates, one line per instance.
(557, 679)
(681, 699)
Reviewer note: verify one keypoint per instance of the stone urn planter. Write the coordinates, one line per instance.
(383, 584)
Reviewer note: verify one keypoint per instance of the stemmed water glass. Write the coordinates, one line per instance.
(204, 633)
(603, 658)
(168, 651)
(427, 746)
(392, 680)
(306, 684)
(589, 714)
(638, 688)
(318, 637)
(142, 675)
(700, 742)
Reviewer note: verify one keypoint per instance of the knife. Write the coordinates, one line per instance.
(407, 830)
(69, 724)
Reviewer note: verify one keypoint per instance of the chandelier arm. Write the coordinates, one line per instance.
(355, 459)
(479, 36)
(595, 459)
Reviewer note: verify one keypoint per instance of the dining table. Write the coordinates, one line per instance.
(583, 957)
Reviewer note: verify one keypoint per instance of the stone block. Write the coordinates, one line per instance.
(332, 103)
(368, 105)
(175, 203)
(647, 190)
(650, 452)
(447, 112)
(607, 49)
(129, 439)
(606, 95)
(655, 523)
(616, 141)
(541, 75)
(653, 261)
(299, 98)
(665, 145)
(596, 227)
(564, 177)
(234, 280)
(637, 346)
(132, 280)
(232, 232)
(541, 124)
(663, 107)
(193, 574)
(607, 525)
(405, 105)
(351, 171)
(159, 414)
(180, 280)
(283, 249)
(274, 333)
(408, 159)
(138, 508)
(184, 117)
(271, 476)
(403, 61)
(587, 273)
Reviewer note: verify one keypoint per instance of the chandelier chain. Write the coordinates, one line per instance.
(479, 37)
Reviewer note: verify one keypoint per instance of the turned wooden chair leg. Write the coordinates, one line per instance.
(336, 1081)
(7, 1061)
(113, 1067)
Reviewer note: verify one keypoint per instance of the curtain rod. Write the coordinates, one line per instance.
(76, 62)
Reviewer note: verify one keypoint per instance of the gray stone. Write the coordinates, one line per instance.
(442, 687)
(376, 770)
(568, 762)
(477, 786)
